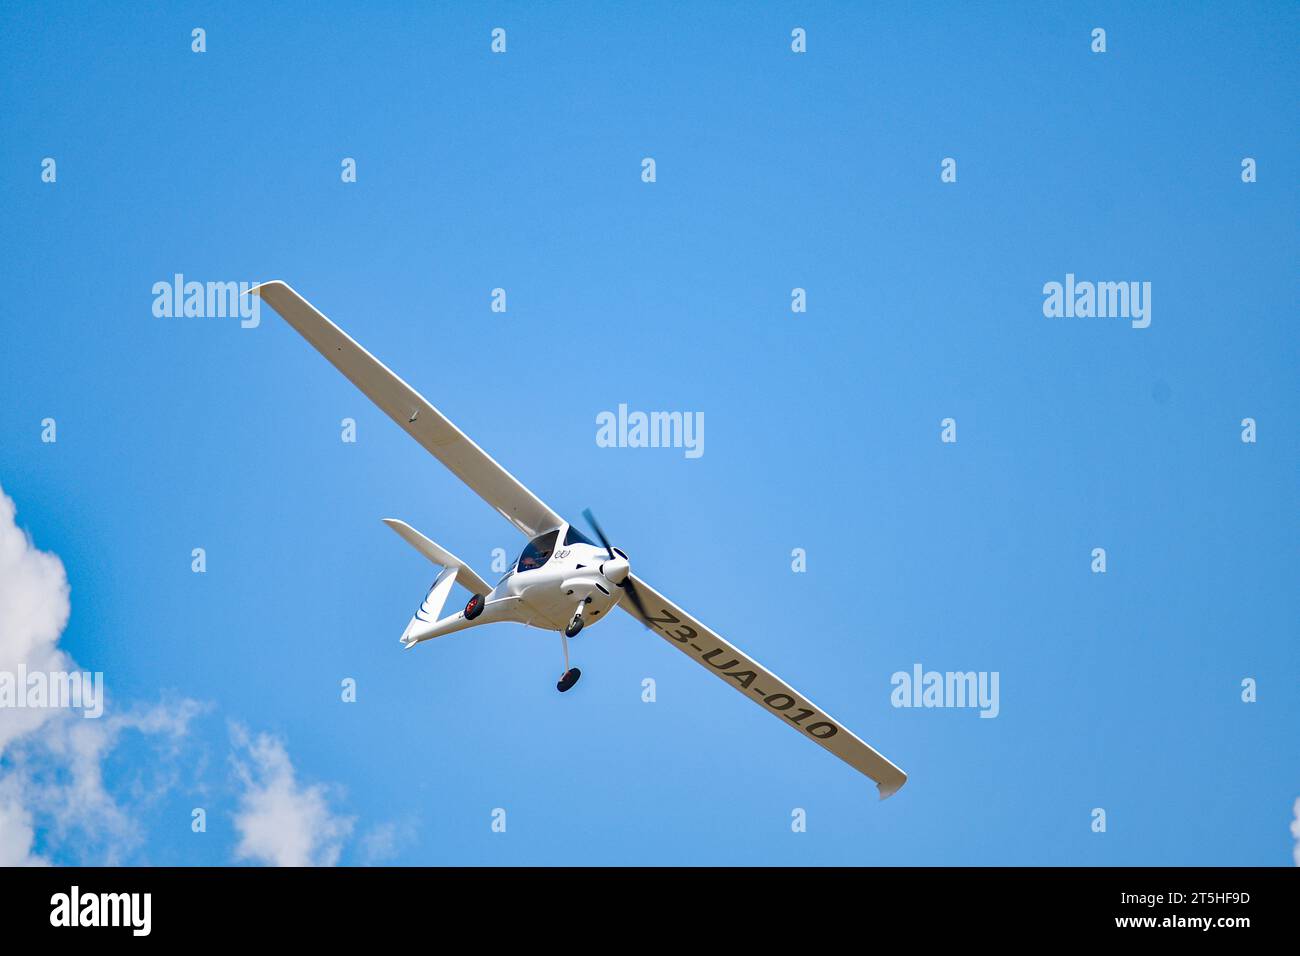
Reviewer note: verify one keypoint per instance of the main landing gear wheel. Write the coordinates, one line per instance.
(474, 608)
(574, 626)
(568, 680)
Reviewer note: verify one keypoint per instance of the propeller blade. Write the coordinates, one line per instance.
(627, 584)
(591, 520)
(632, 593)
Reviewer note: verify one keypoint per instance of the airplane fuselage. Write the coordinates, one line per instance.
(547, 596)
(547, 586)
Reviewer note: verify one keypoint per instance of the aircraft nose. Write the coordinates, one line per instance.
(615, 570)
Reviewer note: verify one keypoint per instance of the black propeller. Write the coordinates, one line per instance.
(628, 585)
(600, 534)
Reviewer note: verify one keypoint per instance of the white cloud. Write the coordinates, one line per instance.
(16, 831)
(61, 770)
(33, 610)
(379, 844)
(280, 821)
(1295, 831)
(382, 842)
(52, 759)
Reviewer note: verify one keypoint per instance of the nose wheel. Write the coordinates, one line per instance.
(574, 626)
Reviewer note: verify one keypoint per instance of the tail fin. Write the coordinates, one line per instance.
(426, 615)
(423, 625)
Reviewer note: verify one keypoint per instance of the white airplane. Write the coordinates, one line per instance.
(562, 581)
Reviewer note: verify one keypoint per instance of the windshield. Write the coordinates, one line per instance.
(538, 551)
(574, 536)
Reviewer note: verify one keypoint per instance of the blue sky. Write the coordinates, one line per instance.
(775, 170)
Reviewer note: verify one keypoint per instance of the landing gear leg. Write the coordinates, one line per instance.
(571, 674)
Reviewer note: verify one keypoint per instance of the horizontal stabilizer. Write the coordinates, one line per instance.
(440, 556)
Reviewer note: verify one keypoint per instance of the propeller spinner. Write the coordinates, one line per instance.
(616, 568)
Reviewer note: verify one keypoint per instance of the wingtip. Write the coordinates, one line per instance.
(262, 285)
(891, 787)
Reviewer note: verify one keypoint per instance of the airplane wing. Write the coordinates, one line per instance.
(416, 416)
(761, 686)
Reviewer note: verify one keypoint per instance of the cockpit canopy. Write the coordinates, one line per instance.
(540, 549)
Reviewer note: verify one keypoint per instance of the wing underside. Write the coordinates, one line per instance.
(760, 685)
(404, 405)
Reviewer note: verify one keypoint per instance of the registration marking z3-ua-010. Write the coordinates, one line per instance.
(745, 677)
